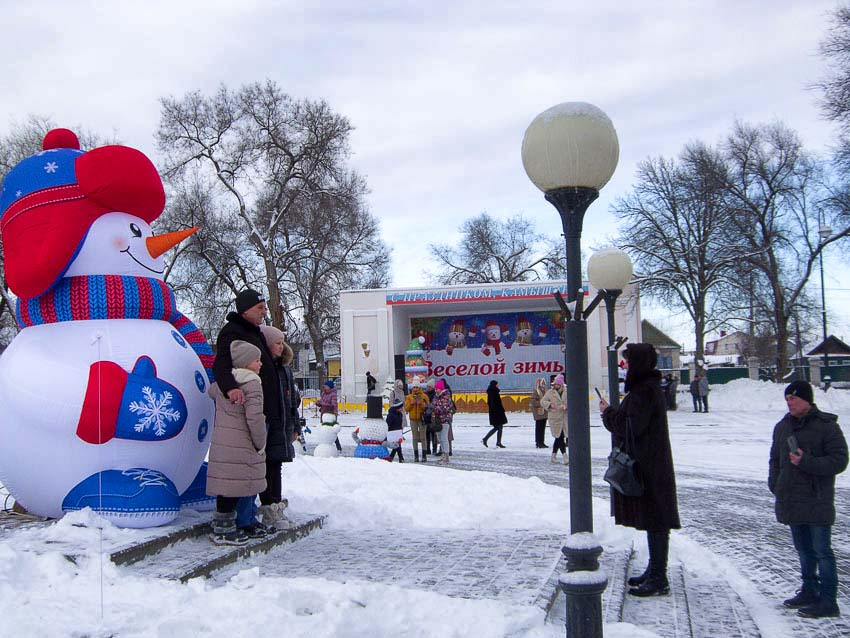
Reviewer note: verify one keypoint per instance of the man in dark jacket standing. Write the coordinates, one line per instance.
(244, 325)
(808, 451)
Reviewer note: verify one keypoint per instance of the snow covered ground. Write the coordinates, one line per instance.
(44, 594)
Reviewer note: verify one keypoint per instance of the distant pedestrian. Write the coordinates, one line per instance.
(703, 392)
(451, 436)
(371, 383)
(639, 426)
(427, 419)
(672, 387)
(694, 388)
(395, 430)
(443, 414)
(328, 404)
(555, 403)
(415, 405)
(397, 396)
(496, 412)
(807, 453)
(538, 412)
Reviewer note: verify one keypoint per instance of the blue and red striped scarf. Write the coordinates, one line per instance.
(113, 297)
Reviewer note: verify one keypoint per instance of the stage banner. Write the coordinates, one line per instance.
(471, 350)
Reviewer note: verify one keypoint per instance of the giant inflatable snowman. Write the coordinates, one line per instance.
(103, 393)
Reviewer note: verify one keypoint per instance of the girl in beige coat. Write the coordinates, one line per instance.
(555, 403)
(538, 412)
(237, 464)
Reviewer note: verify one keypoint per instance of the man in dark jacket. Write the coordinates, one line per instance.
(244, 325)
(808, 451)
(371, 382)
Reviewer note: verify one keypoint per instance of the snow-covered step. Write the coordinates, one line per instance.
(615, 563)
(195, 556)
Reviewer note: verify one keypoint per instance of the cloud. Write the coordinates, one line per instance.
(439, 93)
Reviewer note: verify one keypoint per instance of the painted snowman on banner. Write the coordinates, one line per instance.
(104, 391)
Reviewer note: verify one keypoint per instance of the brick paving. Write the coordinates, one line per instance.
(731, 518)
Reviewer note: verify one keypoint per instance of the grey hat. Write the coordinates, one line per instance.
(242, 353)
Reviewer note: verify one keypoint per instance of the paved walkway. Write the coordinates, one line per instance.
(731, 518)
(734, 519)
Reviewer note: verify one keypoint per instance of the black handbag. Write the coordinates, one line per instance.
(621, 473)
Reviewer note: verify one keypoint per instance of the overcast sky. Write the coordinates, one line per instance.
(439, 93)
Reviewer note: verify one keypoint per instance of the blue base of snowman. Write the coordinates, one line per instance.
(370, 439)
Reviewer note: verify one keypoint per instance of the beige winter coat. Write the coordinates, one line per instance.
(238, 450)
(537, 410)
(555, 403)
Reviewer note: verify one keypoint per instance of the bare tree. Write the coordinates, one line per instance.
(835, 86)
(345, 252)
(266, 177)
(492, 251)
(675, 227)
(777, 193)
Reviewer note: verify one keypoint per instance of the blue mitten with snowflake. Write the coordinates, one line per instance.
(136, 405)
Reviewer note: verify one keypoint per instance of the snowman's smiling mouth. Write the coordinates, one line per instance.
(127, 250)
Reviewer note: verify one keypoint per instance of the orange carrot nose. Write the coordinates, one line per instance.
(158, 244)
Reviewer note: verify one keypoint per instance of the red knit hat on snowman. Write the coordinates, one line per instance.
(49, 201)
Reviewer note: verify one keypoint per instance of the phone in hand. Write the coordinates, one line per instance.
(792, 444)
(598, 393)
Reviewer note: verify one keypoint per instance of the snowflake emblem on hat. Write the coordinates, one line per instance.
(50, 167)
(155, 411)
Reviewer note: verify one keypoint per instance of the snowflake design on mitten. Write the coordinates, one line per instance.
(155, 410)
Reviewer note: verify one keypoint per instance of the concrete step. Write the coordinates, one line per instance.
(184, 555)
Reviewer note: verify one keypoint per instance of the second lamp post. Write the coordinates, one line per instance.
(609, 271)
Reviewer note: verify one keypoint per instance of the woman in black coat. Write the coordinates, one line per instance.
(282, 431)
(644, 412)
(496, 410)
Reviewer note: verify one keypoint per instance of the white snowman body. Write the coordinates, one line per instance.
(46, 376)
(43, 380)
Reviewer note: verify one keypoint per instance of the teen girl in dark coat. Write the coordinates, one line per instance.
(282, 431)
(644, 411)
(496, 410)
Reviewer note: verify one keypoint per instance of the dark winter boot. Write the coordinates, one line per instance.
(400, 456)
(224, 531)
(803, 598)
(651, 587)
(415, 455)
(656, 583)
(824, 608)
(634, 581)
(255, 530)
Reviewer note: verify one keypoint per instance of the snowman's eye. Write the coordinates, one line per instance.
(135, 230)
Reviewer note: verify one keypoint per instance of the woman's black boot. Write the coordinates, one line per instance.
(656, 583)
(634, 581)
(651, 587)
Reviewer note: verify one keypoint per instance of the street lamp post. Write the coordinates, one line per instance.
(824, 232)
(609, 271)
(569, 152)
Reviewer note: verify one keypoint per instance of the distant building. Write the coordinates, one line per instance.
(669, 352)
(735, 344)
(470, 335)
